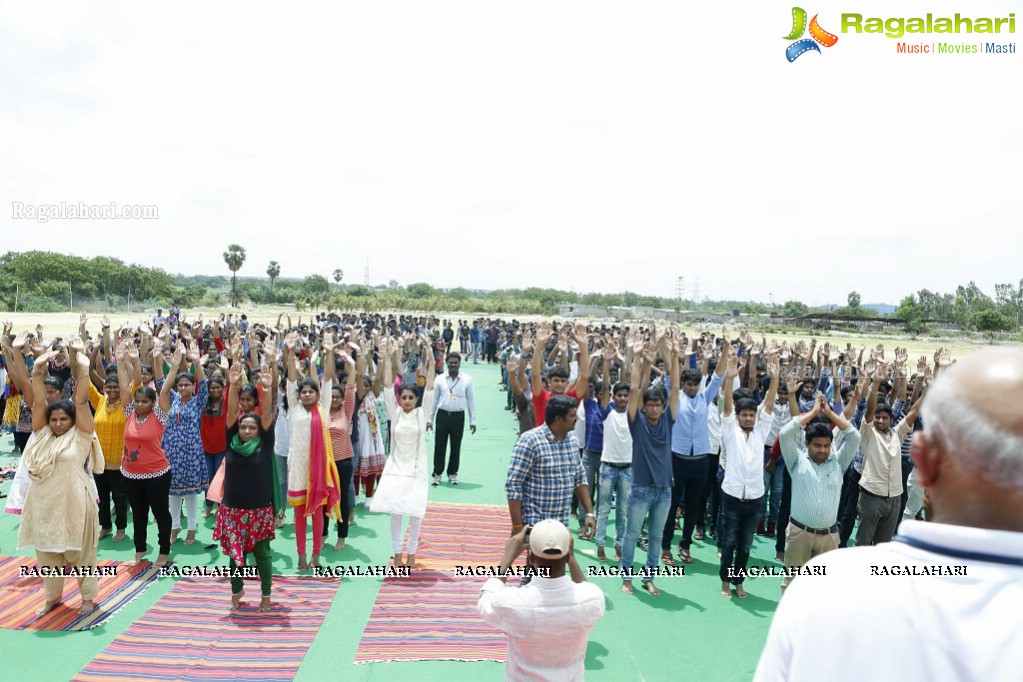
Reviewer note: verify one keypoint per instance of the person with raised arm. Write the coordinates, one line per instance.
(404, 484)
(251, 496)
(816, 456)
(880, 499)
(144, 464)
(339, 417)
(59, 519)
(650, 426)
(558, 377)
(313, 481)
(182, 440)
(743, 432)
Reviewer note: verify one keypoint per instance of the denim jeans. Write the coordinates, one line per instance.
(213, 462)
(642, 500)
(773, 484)
(591, 465)
(739, 521)
(617, 482)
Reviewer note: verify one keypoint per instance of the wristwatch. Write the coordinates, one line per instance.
(591, 514)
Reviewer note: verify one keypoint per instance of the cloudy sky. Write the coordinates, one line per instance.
(595, 146)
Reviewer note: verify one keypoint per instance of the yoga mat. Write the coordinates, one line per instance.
(189, 634)
(21, 596)
(432, 614)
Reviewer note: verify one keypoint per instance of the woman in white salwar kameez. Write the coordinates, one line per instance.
(404, 483)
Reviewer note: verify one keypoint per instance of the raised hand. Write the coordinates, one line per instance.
(773, 368)
(943, 358)
(43, 358)
(733, 367)
(193, 352)
(901, 356)
(870, 367)
(75, 343)
(176, 358)
(513, 364)
(234, 374)
(20, 341)
(879, 351)
(921, 364)
(291, 341)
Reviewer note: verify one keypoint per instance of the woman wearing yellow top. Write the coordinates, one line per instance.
(59, 520)
(110, 421)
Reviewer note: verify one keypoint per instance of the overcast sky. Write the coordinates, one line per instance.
(595, 146)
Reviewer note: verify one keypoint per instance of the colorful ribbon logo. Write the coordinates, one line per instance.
(817, 35)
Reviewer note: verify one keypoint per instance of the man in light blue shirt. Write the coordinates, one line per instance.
(690, 447)
(817, 469)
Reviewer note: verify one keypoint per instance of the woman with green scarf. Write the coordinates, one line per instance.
(252, 498)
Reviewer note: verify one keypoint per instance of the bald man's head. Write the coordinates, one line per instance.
(971, 448)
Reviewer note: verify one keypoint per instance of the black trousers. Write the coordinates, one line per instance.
(907, 469)
(449, 425)
(491, 352)
(21, 440)
(145, 494)
(345, 471)
(111, 484)
(690, 474)
(711, 495)
(848, 506)
(783, 511)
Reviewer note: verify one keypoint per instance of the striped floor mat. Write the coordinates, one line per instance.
(21, 595)
(189, 634)
(432, 614)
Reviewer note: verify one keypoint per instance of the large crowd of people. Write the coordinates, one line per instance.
(714, 437)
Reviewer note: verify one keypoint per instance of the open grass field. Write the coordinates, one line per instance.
(62, 324)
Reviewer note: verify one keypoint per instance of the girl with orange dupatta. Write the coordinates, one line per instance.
(313, 481)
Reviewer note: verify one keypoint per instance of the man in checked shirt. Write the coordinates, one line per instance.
(545, 471)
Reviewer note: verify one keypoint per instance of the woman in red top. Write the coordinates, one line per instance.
(144, 465)
(213, 431)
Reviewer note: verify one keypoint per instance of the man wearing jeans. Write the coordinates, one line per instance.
(742, 490)
(690, 450)
(615, 471)
(651, 461)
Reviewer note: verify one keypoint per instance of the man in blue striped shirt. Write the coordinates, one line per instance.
(817, 468)
(545, 471)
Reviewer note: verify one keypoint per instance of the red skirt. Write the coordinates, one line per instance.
(240, 529)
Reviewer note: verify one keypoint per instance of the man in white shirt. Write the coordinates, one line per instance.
(547, 621)
(742, 490)
(615, 472)
(453, 397)
(941, 602)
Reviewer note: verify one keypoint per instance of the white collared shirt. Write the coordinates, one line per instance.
(744, 475)
(548, 623)
(904, 627)
(454, 394)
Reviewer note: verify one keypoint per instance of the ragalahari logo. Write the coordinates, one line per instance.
(817, 35)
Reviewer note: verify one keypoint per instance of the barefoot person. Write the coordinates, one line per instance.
(144, 464)
(650, 494)
(60, 520)
(742, 490)
(182, 440)
(313, 480)
(403, 486)
(245, 518)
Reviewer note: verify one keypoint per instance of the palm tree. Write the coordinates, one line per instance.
(273, 271)
(234, 257)
(338, 274)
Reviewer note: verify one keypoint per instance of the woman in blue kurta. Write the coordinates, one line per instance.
(183, 443)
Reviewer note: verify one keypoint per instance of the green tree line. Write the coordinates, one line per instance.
(46, 281)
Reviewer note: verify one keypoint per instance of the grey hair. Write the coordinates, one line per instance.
(966, 433)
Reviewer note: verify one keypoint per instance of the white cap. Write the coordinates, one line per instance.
(549, 539)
